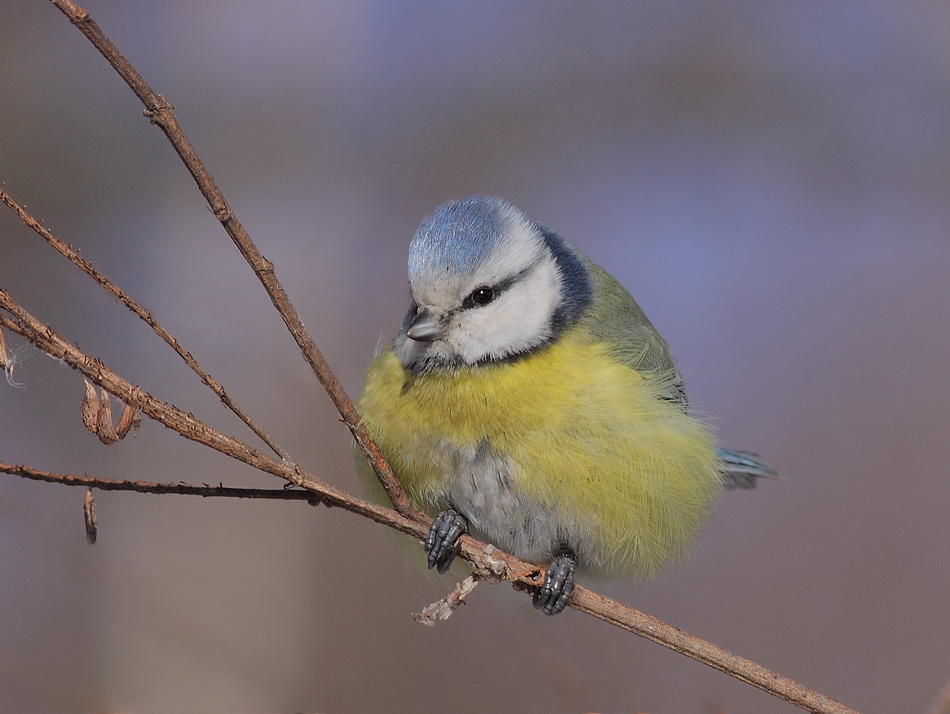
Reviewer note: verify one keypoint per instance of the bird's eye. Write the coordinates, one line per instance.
(479, 297)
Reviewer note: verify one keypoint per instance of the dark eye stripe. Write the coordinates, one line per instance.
(495, 290)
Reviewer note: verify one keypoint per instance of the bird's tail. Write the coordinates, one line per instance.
(742, 469)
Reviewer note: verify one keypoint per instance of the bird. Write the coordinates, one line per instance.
(528, 400)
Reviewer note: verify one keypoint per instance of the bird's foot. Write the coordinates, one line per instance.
(558, 585)
(442, 543)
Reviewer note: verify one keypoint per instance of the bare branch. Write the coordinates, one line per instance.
(161, 112)
(66, 250)
(177, 489)
(187, 425)
(716, 657)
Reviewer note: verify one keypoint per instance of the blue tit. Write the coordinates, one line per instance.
(528, 400)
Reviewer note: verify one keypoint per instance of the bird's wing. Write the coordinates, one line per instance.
(616, 318)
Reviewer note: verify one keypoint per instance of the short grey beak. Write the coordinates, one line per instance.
(424, 328)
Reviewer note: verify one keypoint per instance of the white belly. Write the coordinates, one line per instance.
(480, 486)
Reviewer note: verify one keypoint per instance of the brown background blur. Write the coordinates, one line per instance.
(769, 179)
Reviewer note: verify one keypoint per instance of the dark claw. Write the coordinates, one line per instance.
(558, 585)
(442, 543)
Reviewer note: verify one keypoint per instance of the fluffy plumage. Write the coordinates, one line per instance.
(528, 391)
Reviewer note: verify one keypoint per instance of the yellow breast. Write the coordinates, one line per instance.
(587, 437)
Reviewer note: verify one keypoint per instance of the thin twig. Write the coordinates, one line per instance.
(187, 425)
(442, 609)
(716, 657)
(66, 250)
(177, 489)
(486, 559)
(161, 112)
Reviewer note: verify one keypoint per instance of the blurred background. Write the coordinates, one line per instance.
(770, 180)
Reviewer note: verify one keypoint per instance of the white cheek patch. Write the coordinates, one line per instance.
(518, 320)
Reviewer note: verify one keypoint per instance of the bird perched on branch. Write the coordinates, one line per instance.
(529, 401)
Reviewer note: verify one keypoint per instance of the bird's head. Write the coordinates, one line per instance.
(487, 284)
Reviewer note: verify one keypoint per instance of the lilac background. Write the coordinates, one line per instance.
(769, 179)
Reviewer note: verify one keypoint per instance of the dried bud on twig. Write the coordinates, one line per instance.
(90, 407)
(89, 516)
(131, 418)
(97, 416)
(5, 364)
(104, 429)
(443, 609)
